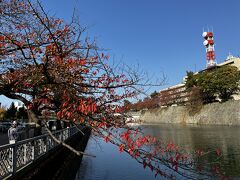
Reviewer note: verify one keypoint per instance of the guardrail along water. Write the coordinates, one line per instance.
(14, 157)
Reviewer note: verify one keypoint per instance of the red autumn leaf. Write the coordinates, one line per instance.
(59, 114)
(64, 104)
(106, 139)
(121, 148)
(82, 62)
(93, 107)
(89, 108)
(69, 114)
(138, 143)
(101, 125)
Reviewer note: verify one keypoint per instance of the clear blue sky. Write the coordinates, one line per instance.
(160, 35)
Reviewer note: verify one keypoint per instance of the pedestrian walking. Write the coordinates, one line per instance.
(12, 133)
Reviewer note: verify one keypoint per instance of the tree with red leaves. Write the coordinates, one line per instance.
(51, 67)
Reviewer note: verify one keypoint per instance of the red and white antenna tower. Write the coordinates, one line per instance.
(209, 45)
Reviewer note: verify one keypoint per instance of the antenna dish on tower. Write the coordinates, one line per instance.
(204, 34)
(205, 42)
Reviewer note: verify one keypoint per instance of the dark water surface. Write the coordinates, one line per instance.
(111, 165)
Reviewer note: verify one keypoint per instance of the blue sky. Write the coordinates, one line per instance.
(159, 35)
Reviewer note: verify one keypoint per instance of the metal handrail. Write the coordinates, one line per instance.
(14, 157)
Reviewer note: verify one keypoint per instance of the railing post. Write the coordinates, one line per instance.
(47, 144)
(33, 151)
(25, 153)
(14, 159)
(69, 132)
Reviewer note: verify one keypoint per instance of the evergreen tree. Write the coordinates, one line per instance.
(22, 113)
(11, 112)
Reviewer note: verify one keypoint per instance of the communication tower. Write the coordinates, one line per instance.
(209, 45)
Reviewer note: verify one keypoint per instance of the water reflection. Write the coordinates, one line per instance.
(205, 137)
(110, 164)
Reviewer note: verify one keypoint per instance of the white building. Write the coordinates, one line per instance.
(177, 94)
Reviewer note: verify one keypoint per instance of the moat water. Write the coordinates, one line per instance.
(109, 164)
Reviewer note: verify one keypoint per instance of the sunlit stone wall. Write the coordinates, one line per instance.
(227, 113)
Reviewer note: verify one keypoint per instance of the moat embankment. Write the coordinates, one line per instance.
(227, 113)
